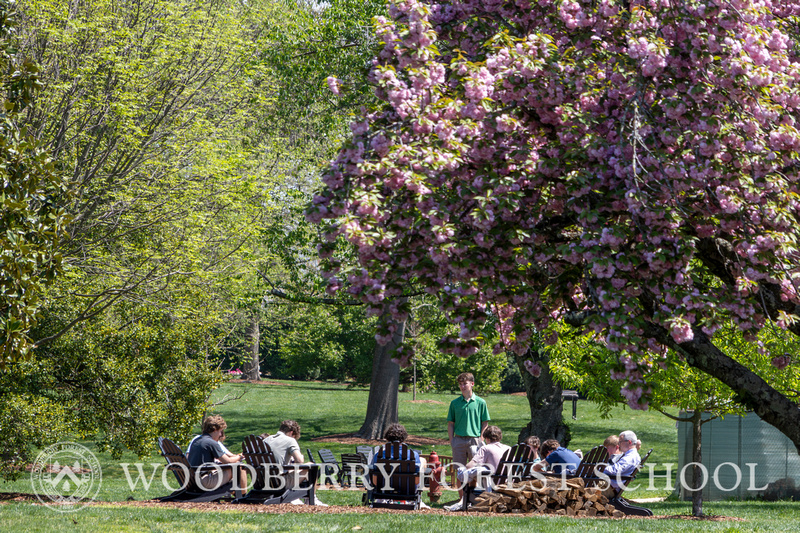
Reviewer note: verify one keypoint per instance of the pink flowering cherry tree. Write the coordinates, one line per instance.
(630, 167)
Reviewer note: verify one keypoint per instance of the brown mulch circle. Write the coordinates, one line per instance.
(260, 382)
(351, 438)
(426, 401)
(16, 497)
(333, 509)
(705, 518)
(51, 469)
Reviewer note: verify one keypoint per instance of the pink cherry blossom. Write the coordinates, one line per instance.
(333, 84)
(591, 162)
(533, 368)
(781, 361)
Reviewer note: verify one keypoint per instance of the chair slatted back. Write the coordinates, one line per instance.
(366, 451)
(398, 460)
(331, 467)
(353, 463)
(514, 464)
(176, 460)
(258, 454)
(597, 458)
(327, 456)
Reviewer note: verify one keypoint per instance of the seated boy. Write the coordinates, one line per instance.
(484, 462)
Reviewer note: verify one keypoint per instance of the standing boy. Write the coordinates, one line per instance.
(467, 417)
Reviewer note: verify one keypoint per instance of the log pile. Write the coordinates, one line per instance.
(550, 497)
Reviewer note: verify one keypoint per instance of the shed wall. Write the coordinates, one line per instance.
(742, 455)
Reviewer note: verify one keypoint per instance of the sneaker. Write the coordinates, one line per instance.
(318, 502)
(455, 507)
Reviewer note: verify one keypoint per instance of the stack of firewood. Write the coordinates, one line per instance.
(553, 497)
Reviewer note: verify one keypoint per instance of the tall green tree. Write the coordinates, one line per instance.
(32, 193)
(329, 50)
(149, 108)
(146, 107)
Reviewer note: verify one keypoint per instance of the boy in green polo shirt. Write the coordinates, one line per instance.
(467, 417)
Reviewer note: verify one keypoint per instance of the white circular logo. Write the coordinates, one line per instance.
(66, 476)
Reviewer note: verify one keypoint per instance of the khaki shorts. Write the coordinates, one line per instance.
(462, 453)
(212, 480)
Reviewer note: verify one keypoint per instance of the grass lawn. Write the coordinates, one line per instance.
(324, 409)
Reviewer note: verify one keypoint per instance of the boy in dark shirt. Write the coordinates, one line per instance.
(208, 449)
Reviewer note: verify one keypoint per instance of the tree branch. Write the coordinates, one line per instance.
(750, 389)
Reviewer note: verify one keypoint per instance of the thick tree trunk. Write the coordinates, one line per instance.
(546, 403)
(252, 367)
(697, 459)
(382, 403)
(750, 389)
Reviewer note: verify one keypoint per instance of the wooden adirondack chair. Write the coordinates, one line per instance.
(513, 466)
(330, 464)
(186, 475)
(624, 505)
(593, 462)
(353, 464)
(401, 490)
(274, 483)
(366, 451)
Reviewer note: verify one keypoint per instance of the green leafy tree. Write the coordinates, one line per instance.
(313, 341)
(696, 393)
(329, 46)
(32, 192)
(146, 106)
(584, 363)
(436, 370)
(150, 109)
(122, 387)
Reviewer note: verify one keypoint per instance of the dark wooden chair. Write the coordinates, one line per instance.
(589, 473)
(593, 462)
(330, 464)
(354, 466)
(513, 466)
(401, 490)
(189, 490)
(274, 483)
(624, 505)
(366, 451)
(515, 463)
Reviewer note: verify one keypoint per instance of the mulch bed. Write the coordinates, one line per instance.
(51, 469)
(6, 497)
(260, 382)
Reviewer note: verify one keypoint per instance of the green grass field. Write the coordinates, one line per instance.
(324, 409)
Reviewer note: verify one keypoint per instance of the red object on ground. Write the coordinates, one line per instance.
(435, 487)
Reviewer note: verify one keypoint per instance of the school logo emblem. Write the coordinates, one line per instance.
(66, 476)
